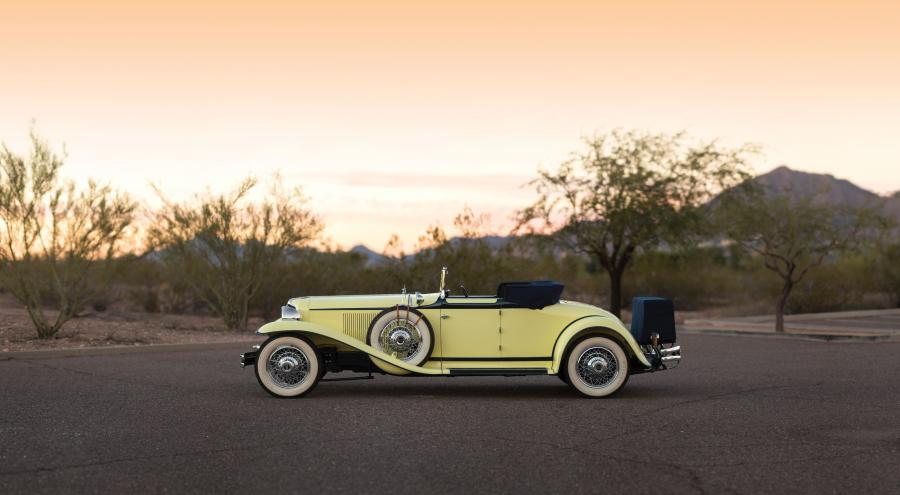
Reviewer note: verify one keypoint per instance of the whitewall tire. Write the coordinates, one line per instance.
(597, 367)
(288, 366)
(403, 333)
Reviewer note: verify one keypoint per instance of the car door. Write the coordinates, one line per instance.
(528, 333)
(470, 329)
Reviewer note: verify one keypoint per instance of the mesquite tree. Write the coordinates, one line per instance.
(57, 242)
(224, 246)
(628, 190)
(792, 233)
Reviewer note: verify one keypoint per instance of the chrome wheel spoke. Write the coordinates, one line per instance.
(401, 338)
(288, 366)
(597, 367)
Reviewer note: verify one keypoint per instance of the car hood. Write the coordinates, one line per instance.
(370, 301)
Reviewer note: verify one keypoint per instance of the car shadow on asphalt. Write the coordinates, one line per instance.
(445, 392)
(419, 389)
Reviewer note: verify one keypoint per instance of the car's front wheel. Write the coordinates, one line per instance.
(288, 366)
(597, 367)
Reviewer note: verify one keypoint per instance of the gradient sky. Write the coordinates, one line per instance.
(393, 115)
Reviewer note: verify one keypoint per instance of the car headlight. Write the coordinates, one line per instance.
(289, 312)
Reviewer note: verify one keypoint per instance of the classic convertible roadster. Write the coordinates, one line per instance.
(525, 329)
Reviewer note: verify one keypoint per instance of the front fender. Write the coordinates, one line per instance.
(304, 327)
(583, 325)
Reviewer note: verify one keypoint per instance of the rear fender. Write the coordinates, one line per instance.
(595, 325)
(307, 328)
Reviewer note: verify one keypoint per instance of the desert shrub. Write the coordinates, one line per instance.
(887, 268)
(691, 278)
(58, 242)
(313, 272)
(225, 247)
(838, 286)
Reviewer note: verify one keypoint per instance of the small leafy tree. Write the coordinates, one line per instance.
(57, 242)
(791, 233)
(225, 246)
(630, 190)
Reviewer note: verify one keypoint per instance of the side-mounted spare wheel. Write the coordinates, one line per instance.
(403, 333)
(597, 367)
(288, 366)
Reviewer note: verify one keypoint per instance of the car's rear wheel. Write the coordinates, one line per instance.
(597, 367)
(403, 333)
(288, 366)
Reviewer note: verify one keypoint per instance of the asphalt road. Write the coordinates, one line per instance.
(740, 415)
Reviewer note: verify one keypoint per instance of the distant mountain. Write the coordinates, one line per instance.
(493, 241)
(892, 205)
(827, 188)
(372, 258)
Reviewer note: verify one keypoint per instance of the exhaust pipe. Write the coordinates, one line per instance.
(671, 351)
(671, 354)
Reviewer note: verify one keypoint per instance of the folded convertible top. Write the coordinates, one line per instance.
(534, 295)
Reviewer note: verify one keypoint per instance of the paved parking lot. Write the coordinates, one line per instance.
(874, 324)
(741, 415)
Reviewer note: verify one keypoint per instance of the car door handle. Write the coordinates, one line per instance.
(444, 317)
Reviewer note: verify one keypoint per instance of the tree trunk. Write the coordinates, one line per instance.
(779, 308)
(615, 292)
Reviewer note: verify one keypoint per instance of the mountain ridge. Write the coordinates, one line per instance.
(828, 189)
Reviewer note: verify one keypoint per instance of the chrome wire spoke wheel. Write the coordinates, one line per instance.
(597, 367)
(402, 333)
(288, 366)
(401, 338)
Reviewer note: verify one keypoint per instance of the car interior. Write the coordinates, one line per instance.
(534, 294)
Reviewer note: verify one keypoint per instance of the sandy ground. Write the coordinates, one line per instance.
(115, 327)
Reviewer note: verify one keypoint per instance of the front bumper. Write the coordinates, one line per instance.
(249, 358)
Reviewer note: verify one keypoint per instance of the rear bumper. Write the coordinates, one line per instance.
(661, 358)
(671, 354)
(249, 358)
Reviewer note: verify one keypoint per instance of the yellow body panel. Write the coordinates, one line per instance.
(470, 332)
(473, 332)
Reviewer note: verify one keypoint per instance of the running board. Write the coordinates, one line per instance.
(497, 371)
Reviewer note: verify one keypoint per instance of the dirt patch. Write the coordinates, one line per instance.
(115, 327)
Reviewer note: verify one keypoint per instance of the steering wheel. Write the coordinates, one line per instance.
(465, 292)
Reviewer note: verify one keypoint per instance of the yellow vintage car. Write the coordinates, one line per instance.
(524, 329)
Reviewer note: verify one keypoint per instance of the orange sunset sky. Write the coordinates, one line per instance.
(393, 115)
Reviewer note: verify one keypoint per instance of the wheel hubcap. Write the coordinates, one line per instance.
(597, 367)
(287, 366)
(401, 338)
(287, 363)
(597, 364)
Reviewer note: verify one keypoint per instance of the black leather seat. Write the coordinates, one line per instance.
(533, 295)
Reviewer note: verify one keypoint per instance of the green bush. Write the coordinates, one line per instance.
(838, 286)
